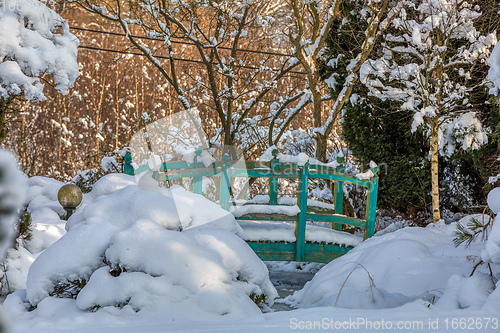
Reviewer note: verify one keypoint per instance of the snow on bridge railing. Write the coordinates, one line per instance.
(274, 169)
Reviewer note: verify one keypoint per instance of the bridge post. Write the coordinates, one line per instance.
(128, 169)
(273, 182)
(339, 193)
(371, 204)
(197, 181)
(300, 227)
(225, 182)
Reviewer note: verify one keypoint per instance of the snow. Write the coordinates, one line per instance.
(465, 130)
(154, 162)
(188, 155)
(110, 164)
(257, 199)
(164, 269)
(156, 259)
(301, 159)
(12, 192)
(30, 46)
(494, 200)
(107, 185)
(467, 292)
(491, 254)
(418, 277)
(268, 231)
(412, 56)
(310, 202)
(400, 267)
(264, 209)
(494, 71)
(285, 232)
(365, 175)
(119, 195)
(268, 154)
(143, 274)
(46, 226)
(162, 250)
(206, 158)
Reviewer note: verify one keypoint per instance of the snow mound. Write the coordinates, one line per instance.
(491, 254)
(494, 71)
(382, 272)
(46, 228)
(168, 250)
(42, 193)
(12, 192)
(118, 196)
(466, 292)
(373, 298)
(107, 185)
(494, 200)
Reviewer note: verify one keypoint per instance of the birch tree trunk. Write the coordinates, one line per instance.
(436, 215)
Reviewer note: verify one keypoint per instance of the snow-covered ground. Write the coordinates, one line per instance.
(168, 260)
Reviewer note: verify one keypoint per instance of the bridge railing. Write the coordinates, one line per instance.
(226, 170)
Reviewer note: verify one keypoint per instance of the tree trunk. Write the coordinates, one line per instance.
(436, 216)
(3, 124)
(321, 148)
(321, 139)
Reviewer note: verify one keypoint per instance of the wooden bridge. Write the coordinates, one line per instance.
(299, 242)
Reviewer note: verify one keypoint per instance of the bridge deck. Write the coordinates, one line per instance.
(274, 231)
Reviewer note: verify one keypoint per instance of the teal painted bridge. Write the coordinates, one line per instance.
(302, 245)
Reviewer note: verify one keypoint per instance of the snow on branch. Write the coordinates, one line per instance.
(35, 40)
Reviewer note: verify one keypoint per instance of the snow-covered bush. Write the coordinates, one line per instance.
(12, 192)
(492, 252)
(480, 289)
(150, 248)
(46, 226)
(382, 272)
(474, 290)
(111, 162)
(87, 178)
(35, 40)
(410, 265)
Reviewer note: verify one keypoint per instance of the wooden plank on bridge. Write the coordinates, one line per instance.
(274, 251)
(313, 252)
(321, 252)
(266, 217)
(337, 219)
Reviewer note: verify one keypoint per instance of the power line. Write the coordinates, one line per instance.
(163, 57)
(178, 42)
(134, 53)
